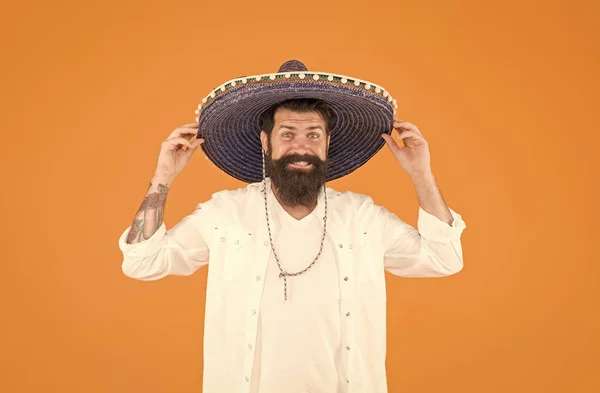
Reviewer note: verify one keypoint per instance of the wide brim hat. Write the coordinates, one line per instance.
(229, 118)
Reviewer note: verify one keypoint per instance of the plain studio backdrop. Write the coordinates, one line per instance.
(505, 92)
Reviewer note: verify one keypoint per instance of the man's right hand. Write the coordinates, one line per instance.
(172, 157)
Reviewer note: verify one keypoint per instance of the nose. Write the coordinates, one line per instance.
(300, 146)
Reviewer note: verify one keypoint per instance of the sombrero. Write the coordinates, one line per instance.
(229, 118)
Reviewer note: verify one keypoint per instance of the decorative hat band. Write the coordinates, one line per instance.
(310, 76)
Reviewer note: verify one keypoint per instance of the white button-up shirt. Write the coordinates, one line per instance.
(229, 233)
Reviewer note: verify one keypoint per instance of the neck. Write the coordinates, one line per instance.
(296, 211)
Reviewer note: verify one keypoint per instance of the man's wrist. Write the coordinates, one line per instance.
(423, 178)
(160, 178)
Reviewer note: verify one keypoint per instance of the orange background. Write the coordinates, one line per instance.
(506, 93)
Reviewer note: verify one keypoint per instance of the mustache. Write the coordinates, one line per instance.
(293, 158)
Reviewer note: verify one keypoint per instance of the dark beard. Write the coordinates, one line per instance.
(297, 187)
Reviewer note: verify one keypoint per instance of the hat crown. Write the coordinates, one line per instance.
(292, 65)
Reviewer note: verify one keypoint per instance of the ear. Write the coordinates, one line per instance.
(264, 140)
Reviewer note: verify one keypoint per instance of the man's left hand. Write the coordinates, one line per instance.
(414, 156)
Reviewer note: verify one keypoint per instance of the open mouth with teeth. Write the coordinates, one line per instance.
(300, 165)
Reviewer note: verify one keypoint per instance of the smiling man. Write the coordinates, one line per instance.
(295, 135)
(296, 298)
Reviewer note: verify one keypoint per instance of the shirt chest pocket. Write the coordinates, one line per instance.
(369, 260)
(235, 251)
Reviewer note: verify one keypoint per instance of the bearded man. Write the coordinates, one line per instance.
(296, 297)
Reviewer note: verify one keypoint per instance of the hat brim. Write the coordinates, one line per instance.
(229, 122)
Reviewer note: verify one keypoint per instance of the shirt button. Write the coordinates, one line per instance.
(222, 239)
(347, 348)
(257, 278)
(345, 278)
(341, 246)
(266, 243)
(347, 381)
(348, 314)
(249, 346)
(350, 246)
(237, 242)
(253, 312)
(247, 379)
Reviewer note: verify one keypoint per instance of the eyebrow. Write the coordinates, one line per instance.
(317, 127)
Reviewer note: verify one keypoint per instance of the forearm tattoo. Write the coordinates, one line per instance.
(149, 216)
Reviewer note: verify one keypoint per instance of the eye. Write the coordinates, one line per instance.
(287, 134)
(313, 135)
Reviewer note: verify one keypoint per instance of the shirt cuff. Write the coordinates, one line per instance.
(144, 248)
(434, 229)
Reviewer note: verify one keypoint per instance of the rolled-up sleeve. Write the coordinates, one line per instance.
(433, 249)
(179, 251)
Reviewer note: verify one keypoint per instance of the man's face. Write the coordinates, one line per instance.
(297, 155)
